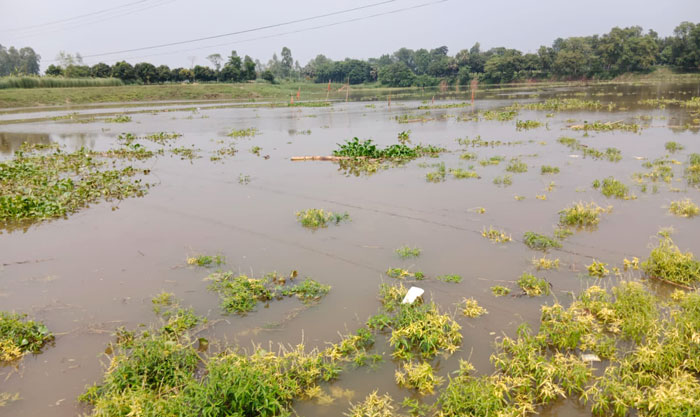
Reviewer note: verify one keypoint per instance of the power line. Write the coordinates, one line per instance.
(95, 19)
(293, 31)
(242, 31)
(74, 17)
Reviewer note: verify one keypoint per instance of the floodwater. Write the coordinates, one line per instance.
(96, 270)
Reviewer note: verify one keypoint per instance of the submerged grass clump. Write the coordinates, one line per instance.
(499, 290)
(684, 208)
(406, 252)
(316, 218)
(692, 171)
(546, 169)
(400, 273)
(672, 146)
(533, 286)
(240, 294)
(461, 173)
(19, 336)
(453, 278)
(206, 260)
(539, 242)
(610, 187)
(418, 376)
(43, 186)
(545, 263)
(243, 133)
(582, 215)
(438, 175)
(597, 269)
(516, 166)
(527, 124)
(666, 262)
(505, 180)
(471, 308)
(495, 235)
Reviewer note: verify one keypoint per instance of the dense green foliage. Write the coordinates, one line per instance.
(19, 336)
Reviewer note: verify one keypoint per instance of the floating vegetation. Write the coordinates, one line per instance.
(597, 269)
(673, 146)
(533, 286)
(121, 118)
(480, 143)
(494, 160)
(545, 263)
(471, 308)
(414, 118)
(19, 336)
(505, 180)
(374, 405)
(317, 218)
(495, 235)
(162, 137)
(517, 166)
(661, 169)
(240, 294)
(501, 116)
(527, 124)
(406, 252)
(461, 173)
(542, 197)
(438, 175)
(243, 133)
(418, 329)
(667, 263)
(400, 273)
(255, 150)
(607, 126)
(546, 169)
(206, 260)
(354, 148)
(562, 232)
(418, 376)
(129, 151)
(540, 242)
(692, 171)
(519, 197)
(499, 290)
(186, 153)
(44, 186)
(582, 214)
(468, 156)
(444, 106)
(557, 104)
(610, 187)
(684, 208)
(404, 137)
(611, 154)
(632, 264)
(450, 278)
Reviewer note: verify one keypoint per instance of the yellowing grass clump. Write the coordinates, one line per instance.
(685, 208)
(668, 263)
(582, 214)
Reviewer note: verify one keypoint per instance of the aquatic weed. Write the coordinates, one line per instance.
(495, 235)
(533, 286)
(406, 252)
(456, 279)
(666, 262)
(540, 242)
(19, 336)
(597, 269)
(582, 214)
(499, 290)
(319, 218)
(684, 208)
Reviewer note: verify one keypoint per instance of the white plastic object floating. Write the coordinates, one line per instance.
(590, 357)
(412, 294)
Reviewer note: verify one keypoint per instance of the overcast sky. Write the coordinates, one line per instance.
(108, 26)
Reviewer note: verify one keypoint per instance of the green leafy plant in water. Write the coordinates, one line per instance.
(438, 175)
(418, 376)
(243, 133)
(546, 169)
(400, 273)
(499, 290)
(540, 242)
(684, 208)
(527, 124)
(19, 336)
(516, 166)
(453, 278)
(318, 218)
(666, 262)
(692, 171)
(206, 260)
(406, 252)
(354, 148)
(471, 308)
(597, 269)
(672, 146)
(533, 286)
(495, 235)
(505, 180)
(121, 118)
(404, 137)
(43, 186)
(582, 214)
(610, 187)
(461, 173)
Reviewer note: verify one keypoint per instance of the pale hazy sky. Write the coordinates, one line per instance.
(106, 26)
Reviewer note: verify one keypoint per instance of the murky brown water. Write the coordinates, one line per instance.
(97, 270)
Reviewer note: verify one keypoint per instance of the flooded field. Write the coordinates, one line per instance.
(221, 182)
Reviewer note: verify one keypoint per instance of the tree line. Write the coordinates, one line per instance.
(622, 50)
